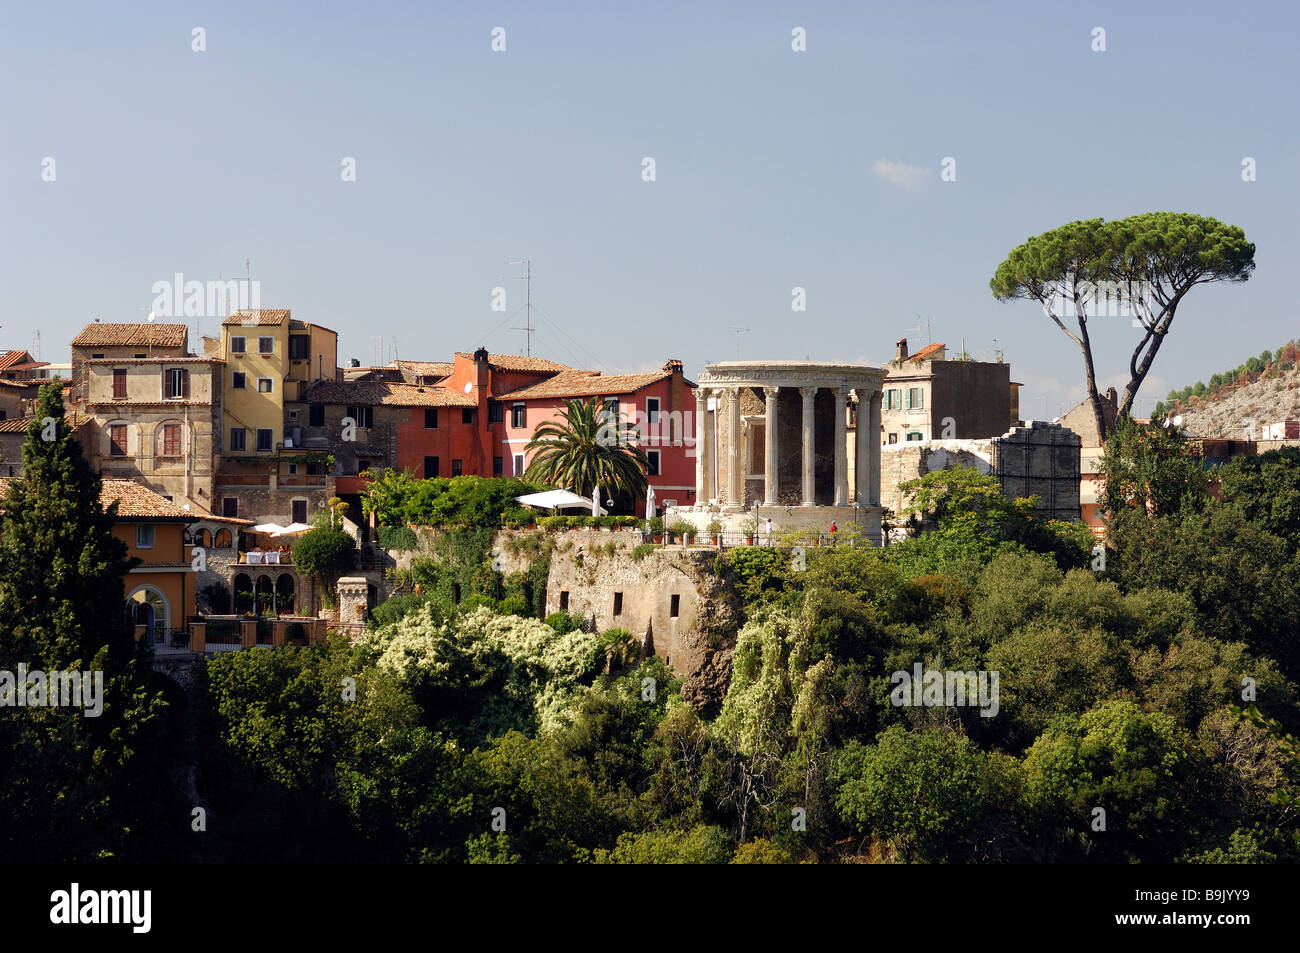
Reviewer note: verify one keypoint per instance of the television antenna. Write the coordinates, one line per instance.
(739, 332)
(528, 303)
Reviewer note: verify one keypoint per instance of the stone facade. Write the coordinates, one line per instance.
(908, 461)
(1041, 460)
(774, 439)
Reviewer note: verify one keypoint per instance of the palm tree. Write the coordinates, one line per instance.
(587, 448)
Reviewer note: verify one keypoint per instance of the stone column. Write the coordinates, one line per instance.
(862, 450)
(874, 485)
(809, 445)
(771, 471)
(841, 448)
(736, 459)
(703, 446)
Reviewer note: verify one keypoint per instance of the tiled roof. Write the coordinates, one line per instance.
(587, 384)
(134, 501)
(104, 334)
(20, 424)
(514, 362)
(374, 393)
(426, 368)
(260, 316)
(925, 352)
(173, 359)
(14, 359)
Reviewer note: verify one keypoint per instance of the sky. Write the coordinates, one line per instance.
(774, 169)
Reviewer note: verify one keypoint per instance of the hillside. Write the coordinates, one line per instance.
(1256, 391)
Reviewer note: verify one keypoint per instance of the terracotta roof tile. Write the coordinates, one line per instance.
(134, 501)
(104, 334)
(925, 352)
(514, 362)
(587, 384)
(260, 317)
(426, 368)
(377, 393)
(14, 359)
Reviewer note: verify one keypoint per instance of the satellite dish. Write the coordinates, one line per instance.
(468, 387)
(1178, 421)
(151, 317)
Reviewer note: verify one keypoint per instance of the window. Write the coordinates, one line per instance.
(178, 383)
(564, 600)
(518, 413)
(264, 437)
(299, 511)
(431, 418)
(230, 510)
(430, 467)
(169, 440)
(203, 538)
(97, 357)
(611, 406)
(266, 345)
(316, 415)
(364, 416)
(238, 438)
(618, 603)
(299, 347)
(915, 398)
(915, 435)
(674, 606)
(139, 357)
(117, 440)
(119, 383)
(237, 380)
(467, 415)
(315, 469)
(3, 414)
(223, 538)
(652, 410)
(293, 469)
(893, 438)
(653, 456)
(893, 399)
(236, 345)
(495, 412)
(264, 385)
(519, 464)
(498, 466)
(455, 468)
(144, 536)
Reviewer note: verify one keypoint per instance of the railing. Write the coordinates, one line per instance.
(243, 479)
(777, 539)
(170, 642)
(280, 559)
(223, 635)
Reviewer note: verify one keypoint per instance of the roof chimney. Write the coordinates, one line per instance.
(673, 366)
(900, 352)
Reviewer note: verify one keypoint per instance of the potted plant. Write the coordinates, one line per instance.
(715, 530)
(657, 529)
(749, 527)
(683, 530)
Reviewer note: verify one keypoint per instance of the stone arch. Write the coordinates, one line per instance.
(203, 538)
(243, 586)
(149, 607)
(285, 586)
(159, 438)
(265, 589)
(223, 539)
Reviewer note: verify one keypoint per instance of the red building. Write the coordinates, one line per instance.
(477, 419)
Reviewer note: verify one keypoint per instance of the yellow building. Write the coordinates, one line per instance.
(271, 360)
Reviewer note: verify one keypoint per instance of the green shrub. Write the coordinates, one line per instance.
(641, 552)
(397, 538)
(656, 525)
(564, 622)
(513, 605)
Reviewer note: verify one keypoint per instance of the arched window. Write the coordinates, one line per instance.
(222, 540)
(168, 439)
(265, 594)
(203, 538)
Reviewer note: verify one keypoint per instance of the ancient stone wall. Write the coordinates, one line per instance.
(1042, 461)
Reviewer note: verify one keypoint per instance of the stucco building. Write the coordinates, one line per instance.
(929, 397)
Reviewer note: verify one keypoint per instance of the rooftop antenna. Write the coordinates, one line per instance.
(739, 332)
(528, 304)
(36, 344)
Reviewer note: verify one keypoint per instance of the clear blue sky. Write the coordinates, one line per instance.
(768, 171)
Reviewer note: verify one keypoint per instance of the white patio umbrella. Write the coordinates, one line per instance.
(595, 501)
(267, 528)
(554, 500)
(293, 529)
(650, 502)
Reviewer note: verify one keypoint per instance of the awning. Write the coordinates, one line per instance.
(267, 528)
(554, 500)
(293, 529)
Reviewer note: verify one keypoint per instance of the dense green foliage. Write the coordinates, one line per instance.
(398, 499)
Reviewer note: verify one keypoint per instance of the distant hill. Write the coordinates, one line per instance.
(1264, 389)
